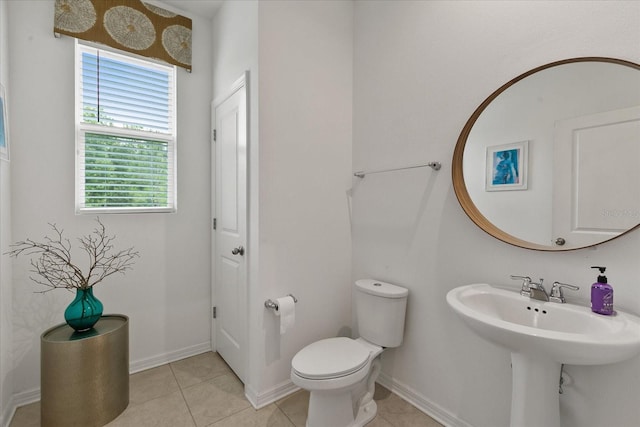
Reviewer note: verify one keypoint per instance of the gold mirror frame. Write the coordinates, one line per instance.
(460, 187)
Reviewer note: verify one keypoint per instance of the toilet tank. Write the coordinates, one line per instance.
(380, 310)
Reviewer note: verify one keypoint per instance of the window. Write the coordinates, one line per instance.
(125, 133)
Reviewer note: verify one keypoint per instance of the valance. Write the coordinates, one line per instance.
(130, 25)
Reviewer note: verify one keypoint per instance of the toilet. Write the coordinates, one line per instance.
(340, 373)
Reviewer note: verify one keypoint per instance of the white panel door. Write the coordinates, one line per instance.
(596, 176)
(230, 235)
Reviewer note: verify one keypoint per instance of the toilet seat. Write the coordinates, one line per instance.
(330, 358)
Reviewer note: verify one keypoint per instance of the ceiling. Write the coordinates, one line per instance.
(204, 8)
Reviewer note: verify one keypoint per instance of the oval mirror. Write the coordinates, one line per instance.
(551, 160)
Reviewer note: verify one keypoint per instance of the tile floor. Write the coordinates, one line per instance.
(202, 391)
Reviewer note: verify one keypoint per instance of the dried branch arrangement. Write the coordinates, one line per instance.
(54, 268)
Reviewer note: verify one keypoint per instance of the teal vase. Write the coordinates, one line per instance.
(84, 311)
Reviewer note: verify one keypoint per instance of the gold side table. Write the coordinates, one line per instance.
(85, 376)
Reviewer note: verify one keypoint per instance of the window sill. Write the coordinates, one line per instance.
(92, 211)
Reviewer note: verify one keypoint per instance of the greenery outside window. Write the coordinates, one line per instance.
(125, 133)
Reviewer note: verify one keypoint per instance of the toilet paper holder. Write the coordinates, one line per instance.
(274, 305)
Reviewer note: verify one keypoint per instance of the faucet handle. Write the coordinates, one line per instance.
(556, 291)
(526, 284)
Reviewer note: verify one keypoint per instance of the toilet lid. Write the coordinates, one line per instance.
(330, 358)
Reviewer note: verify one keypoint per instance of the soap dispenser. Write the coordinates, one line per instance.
(602, 295)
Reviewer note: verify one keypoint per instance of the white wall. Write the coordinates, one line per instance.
(306, 57)
(299, 55)
(420, 70)
(6, 309)
(166, 295)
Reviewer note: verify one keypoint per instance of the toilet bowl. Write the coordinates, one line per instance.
(332, 370)
(340, 373)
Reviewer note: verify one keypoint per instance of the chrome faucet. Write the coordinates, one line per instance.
(531, 289)
(556, 291)
(526, 285)
(538, 291)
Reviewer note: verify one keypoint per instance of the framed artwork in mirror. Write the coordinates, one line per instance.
(506, 167)
(4, 135)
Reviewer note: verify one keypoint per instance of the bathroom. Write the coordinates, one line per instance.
(334, 87)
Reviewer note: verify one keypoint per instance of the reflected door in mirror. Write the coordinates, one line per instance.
(596, 163)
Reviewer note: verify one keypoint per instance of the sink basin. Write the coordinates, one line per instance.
(565, 333)
(541, 337)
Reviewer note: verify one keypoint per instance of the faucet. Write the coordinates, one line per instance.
(526, 285)
(556, 291)
(531, 289)
(538, 291)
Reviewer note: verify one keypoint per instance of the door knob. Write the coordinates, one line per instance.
(560, 241)
(238, 251)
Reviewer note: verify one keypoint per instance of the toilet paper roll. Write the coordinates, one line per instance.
(287, 312)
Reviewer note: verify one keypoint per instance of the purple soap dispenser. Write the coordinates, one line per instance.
(602, 295)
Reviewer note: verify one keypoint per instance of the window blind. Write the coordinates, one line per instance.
(126, 133)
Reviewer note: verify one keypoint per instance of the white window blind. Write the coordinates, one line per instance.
(126, 139)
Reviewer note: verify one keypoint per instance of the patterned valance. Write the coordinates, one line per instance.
(131, 25)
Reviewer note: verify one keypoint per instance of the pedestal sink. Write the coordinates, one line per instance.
(541, 337)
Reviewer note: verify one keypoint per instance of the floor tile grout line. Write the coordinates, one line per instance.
(182, 388)
(195, 423)
(286, 415)
(198, 383)
(130, 404)
(184, 399)
(227, 416)
(282, 410)
(392, 424)
(290, 420)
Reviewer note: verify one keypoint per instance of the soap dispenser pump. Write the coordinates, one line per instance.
(602, 295)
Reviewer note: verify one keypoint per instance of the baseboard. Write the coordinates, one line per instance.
(444, 417)
(24, 398)
(30, 396)
(7, 413)
(172, 356)
(435, 411)
(251, 395)
(260, 400)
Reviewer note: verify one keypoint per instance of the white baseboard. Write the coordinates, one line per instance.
(25, 398)
(30, 396)
(7, 413)
(172, 356)
(435, 411)
(275, 393)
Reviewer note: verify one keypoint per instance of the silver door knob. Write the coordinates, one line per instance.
(560, 241)
(238, 251)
